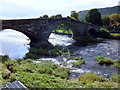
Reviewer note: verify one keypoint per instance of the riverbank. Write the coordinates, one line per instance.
(45, 74)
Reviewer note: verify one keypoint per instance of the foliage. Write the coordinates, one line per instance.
(35, 53)
(74, 15)
(63, 29)
(78, 62)
(60, 31)
(89, 77)
(114, 28)
(46, 74)
(115, 78)
(106, 21)
(94, 17)
(90, 80)
(117, 63)
(104, 33)
(68, 55)
(44, 16)
(77, 58)
(56, 16)
(102, 60)
(115, 17)
(115, 34)
(107, 61)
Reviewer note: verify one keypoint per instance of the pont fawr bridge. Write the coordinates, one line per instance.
(38, 30)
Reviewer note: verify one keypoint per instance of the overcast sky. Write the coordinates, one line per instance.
(35, 8)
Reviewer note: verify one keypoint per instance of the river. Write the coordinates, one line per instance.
(16, 45)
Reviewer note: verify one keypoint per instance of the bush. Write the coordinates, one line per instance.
(104, 33)
(117, 63)
(78, 63)
(102, 60)
(90, 78)
(4, 58)
(115, 78)
(77, 58)
(37, 75)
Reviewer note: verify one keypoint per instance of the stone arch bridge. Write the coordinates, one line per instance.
(38, 30)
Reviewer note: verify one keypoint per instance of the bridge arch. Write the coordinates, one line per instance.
(92, 32)
(72, 26)
(38, 30)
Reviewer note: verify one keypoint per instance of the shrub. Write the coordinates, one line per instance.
(78, 63)
(90, 78)
(68, 55)
(107, 85)
(117, 63)
(77, 58)
(104, 33)
(32, 56)
(115, 78)
(4, 58)
(102, 60)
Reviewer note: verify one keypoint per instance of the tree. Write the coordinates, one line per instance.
(74, 15)
(115, 17)
(45, 16)
(94, 17)
(58, 16)
(106, 20)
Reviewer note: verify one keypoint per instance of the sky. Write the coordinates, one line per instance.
(10, 9)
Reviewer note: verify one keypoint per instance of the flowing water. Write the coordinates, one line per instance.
(15, 45)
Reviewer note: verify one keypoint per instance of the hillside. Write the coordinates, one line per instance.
(103, 11)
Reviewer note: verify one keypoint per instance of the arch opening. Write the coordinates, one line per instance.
(62, 35)
(92, 32)
(13, 43)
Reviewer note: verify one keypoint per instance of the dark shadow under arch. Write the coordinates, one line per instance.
(92, 32)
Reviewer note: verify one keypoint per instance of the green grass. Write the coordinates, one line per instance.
(35, 53)
(115, 34)
(77, 58)
(90, 80)
(107, 61)
(62, 31)
(49, 75)
(102, 60)
(44, 74)
(117, 63)
(78, 62)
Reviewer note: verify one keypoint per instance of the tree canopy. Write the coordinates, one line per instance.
(115, 17)
(56, 16)
(94, 17)
(106, 20)
(74, 15)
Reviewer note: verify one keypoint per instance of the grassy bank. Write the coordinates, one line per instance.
(36, 53)
(49, 75)
(115, 34)
(60, 31)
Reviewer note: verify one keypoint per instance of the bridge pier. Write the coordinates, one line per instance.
(40, 44)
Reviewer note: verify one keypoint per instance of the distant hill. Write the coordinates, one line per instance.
(103, 11)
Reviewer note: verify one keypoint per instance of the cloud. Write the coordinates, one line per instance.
(35, 8)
